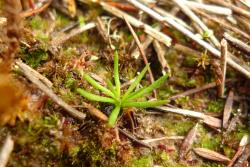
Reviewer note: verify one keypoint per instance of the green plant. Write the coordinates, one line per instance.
(114, 92)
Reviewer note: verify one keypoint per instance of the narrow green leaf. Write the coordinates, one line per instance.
(136, 82)
(94, 97)
(145, 104)
(146, 90)
(113, 116)
(111, 86)
(98, 86)
(116, 74)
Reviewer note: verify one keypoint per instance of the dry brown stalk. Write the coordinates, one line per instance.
(101, 28)
(227, 109)
(222, 23)
(242, 45)
(210, 48)
(63, 38)
(211, 155)
(241, 149)
(188, 141)
(223, 63)
(236, 9)
(138, 43)
(196, 90)
(36, 10)
(161, 57)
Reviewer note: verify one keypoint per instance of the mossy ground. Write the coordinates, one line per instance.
(51, 138)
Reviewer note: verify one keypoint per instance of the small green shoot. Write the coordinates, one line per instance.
(113, 92)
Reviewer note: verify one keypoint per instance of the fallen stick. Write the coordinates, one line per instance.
(228, 109)
(138, 43)
(235, 9)
(163, 138)
(188, 33)
(101, 28)
(185, 9)
(136, 53)
(71, 111)
(6, 151)
(223, 23)
(160, 54)
(134, 139)
(211, 121)
(36, 74)
(138, 24)
(241, 149)
(242, 45)
(166, 14)
(36, 10)
(186, 50)
(223, 63)
(188, 141)
(63, 38)
(196, 90)
(209, 8)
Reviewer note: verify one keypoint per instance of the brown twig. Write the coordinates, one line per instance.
(223, 63)
(138, 43)
(223, 23)
(243, 158)
(241, 149)
(228, 109)
(242, 45)
(236, 9)
(185, 31)
(186, 50)
(197, 20)
(134, 139)
(137, 23)
(122, 6)
(188, 141)
(196, 90)
(163, 138)
(160, 54)
(63, 38)
(101, 29)
(35, 11)
(211, 121)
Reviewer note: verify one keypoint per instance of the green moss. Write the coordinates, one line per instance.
(39, 26)
(167, 91)
(228, 151)
(167, 160)
(211, 164)
(189, 61)
(183, 102)
(143, 161)
(70, 81)
(208, 140)
(241, 131)
(178, 127)
(35, 57)
(81, 20)
(61, 20)
(215, 106)
(37, 22)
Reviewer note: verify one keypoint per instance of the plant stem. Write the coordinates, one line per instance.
(113, 116)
